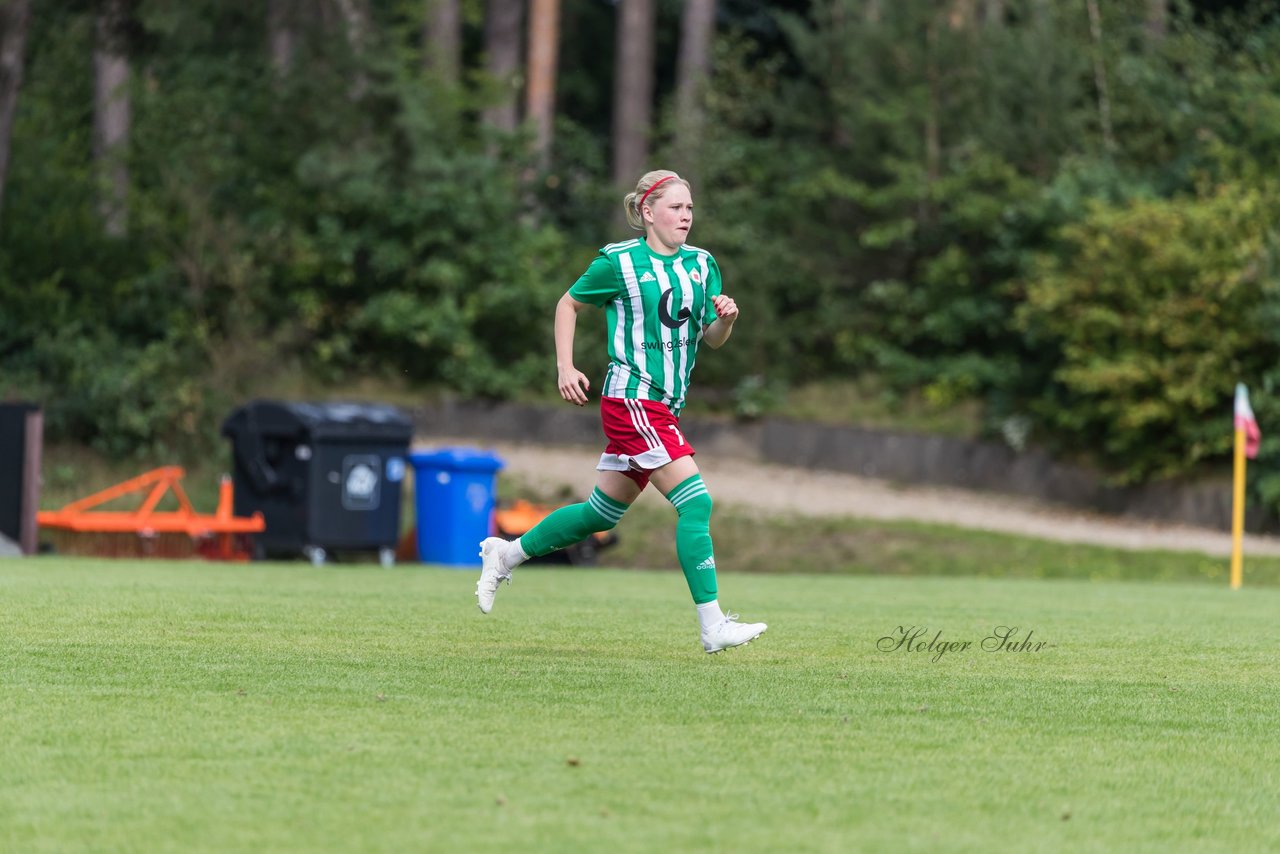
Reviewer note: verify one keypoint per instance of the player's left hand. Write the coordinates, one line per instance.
(726, 308)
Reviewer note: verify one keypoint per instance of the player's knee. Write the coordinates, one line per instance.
(698, 507)
(602, 517)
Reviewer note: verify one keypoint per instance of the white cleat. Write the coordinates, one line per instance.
(492, 573)
(730, 633)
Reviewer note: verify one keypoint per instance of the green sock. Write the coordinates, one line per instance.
(693, 538)
(572, 524)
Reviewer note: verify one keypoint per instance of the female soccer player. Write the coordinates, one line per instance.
(662, 299)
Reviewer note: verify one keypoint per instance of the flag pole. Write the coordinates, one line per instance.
(1237, 513)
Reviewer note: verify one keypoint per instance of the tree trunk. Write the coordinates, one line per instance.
(355, 16)
(1042, 13)
(442, 38)
(14, 19)
(632, 90)
(502, 60)
(356, 21)
(933, 110)
(993, 13)
(836, 25)
(544, 46)
(696, 30)
(1100, 76)
(1157, 20)
(282, 34)
(111, 116)
(961, 15)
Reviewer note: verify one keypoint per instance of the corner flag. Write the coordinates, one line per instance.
(1245, 421)
(1248, 437)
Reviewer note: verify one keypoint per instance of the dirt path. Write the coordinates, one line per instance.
(780, 489)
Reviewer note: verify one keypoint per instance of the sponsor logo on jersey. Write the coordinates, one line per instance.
(696, 277)
(670, 345)
(664, 311)
(648, 277)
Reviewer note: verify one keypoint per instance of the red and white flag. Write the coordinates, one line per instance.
(1245, 421)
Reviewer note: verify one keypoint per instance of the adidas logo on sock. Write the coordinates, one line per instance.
(709, 563)
(648, 277)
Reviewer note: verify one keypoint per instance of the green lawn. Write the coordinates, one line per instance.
(152, 706)
(753, 541)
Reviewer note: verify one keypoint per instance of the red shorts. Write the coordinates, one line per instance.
(643, 435)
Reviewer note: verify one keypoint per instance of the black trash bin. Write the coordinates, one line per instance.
(326, 476)
(21, 441)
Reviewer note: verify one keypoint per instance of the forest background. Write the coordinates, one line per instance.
(1057, 217)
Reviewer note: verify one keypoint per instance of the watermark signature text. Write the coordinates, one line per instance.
(920, 639)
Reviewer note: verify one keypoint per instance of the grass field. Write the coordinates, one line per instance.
(753, 541)
(152, 706)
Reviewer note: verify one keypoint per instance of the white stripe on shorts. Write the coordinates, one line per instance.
(640, 420)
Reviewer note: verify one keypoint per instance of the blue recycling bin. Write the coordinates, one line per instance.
(455, 490)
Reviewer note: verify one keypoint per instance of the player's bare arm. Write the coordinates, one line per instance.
(573, 384)
(720, 329)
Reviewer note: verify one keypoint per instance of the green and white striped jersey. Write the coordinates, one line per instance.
(657, 308)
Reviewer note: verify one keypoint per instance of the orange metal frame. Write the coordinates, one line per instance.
(521, 516)
(80, 515)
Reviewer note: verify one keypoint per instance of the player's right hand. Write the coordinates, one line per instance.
(573, 385)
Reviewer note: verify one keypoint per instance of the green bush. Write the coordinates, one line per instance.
(1154, 311)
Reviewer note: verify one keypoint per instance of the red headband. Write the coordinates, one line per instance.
(656, 184)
